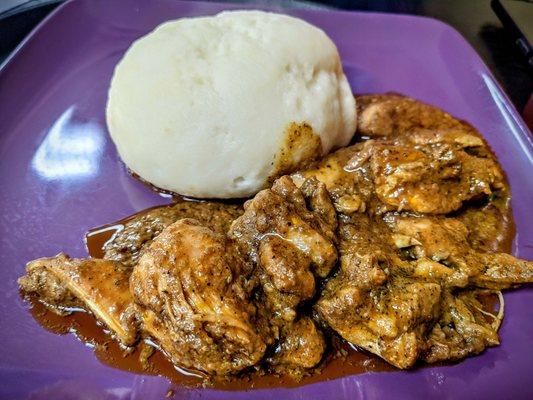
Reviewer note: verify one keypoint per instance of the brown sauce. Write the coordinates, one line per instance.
(508, 232)
(343, 360)
(96, 239)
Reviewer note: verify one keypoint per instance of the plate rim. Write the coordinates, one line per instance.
(19, 51)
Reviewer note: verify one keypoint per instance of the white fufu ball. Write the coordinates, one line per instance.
(202, 106)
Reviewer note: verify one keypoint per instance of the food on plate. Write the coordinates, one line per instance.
(190, 290)
(99, 286)
(218, 107)
(391, 244)
(136, 233)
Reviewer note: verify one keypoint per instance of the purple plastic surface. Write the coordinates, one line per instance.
(60, 175)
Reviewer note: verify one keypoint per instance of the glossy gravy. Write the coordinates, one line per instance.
(342, 360)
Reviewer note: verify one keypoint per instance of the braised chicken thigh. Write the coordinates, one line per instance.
(99, 286)
(190, 289)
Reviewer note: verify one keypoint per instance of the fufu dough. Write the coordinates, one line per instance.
(204, 106)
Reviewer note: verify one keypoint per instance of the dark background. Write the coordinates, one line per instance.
(474, 19)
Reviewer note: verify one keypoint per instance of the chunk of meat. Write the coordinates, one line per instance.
(462, 330)
(403, 288)
(286, 267)
(502, 271)
(490, 225)
(396, 115)
(350, 192)
(283, 212)
(442, 252)
(370, 303)
(99, 286)
(433, 178)
(139, 231)
(289, 233)
(291, 238)
(189, 285)
(390, 321)
(421, 160)
(302, 346)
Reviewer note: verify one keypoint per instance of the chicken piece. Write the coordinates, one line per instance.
(396, 115)
(370, 303)
(329, 170)
(190, 288)
(286, 267)
(430, 162)
(442, 252)
(307, 223)
(434, 178)
(350, 191)
(463, 329)
(390, 321)
(489, 224)
(422, 160)
(302, 345)
(139, 231)
(99, 286)
(290, 235)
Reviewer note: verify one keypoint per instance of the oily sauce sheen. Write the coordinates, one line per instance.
(342, 360)
(492, 223)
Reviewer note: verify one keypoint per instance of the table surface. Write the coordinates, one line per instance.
(474, 19)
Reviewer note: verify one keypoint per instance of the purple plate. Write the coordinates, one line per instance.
(60, 175)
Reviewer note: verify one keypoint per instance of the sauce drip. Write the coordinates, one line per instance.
(343, 359)
(144, 359)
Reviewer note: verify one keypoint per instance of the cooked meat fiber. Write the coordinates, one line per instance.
(290, 237)
(289, 234)
(389, 115)
(489, 224)
(99, 286)
(301, 347)
(138, 232)
(190, 287)
(462, 329)
(391, 243)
